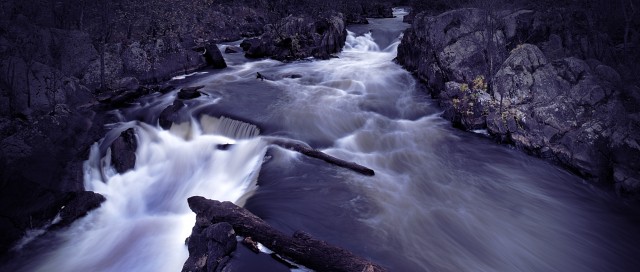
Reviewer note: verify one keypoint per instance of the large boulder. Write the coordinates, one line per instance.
(297, 37)
(555, 100)
(562, 110)
(161, 59)
(458, 45)
(123, 151)
(213, 57)
(210, 246)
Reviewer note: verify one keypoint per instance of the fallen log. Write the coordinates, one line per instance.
(300, 248)
(314, 153)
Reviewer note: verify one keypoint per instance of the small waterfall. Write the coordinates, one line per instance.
(143, 224)
(441, 199)
(360, 43)
(228, 127)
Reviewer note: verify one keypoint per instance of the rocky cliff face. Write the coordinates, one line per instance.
(553, 99)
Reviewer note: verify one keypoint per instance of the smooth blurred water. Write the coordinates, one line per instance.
(441, 199)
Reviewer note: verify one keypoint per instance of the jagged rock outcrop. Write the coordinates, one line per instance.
(210, 246)
(561, 110)
(41, 170)
(454, 46)
(547, 99)
(297, 37)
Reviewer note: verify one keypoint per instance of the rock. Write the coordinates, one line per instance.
(293, 76)
(190, 92)
(246, 44)
(78, 205)
(126, 83)
(356, 19)
(210, 246)
(74, 51)
(123, 151)
(171, 115)
(297, 37)
(120, 97)
(553, 47)
(608, 74)
(516, 26)
(560, 106)
(452, 46)
(548, 102)
(466, 105)
(232, 49)
(514, 81)
(378, 10)
(213, 57)
(253, 48)
(136, 60)
(114, 68)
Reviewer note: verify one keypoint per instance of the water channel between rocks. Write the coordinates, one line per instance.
(441, 199)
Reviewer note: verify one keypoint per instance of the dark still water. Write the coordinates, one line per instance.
(441, 199)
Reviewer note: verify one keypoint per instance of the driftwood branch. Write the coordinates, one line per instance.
(300, 248)
(308, 151)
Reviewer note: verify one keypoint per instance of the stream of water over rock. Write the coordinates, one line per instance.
(441, 199)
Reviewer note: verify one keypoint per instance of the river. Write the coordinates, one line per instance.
(441, 200)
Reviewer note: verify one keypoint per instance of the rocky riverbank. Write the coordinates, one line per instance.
(537, 80)
(63, 69)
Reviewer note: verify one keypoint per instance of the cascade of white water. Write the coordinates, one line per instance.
(145, 219)
(441, 199)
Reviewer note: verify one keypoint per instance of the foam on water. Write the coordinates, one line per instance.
(145, 219)
(441, 199)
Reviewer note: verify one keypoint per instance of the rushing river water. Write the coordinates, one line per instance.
(441, 199)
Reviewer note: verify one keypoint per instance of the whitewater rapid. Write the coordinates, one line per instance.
(441, 199)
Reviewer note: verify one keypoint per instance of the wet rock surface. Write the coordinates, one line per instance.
(300, 248)
(297, 37)
(553, 99)
(210, 246)
(61, 75)
(123, 151)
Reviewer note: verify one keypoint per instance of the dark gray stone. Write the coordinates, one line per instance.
(123, 151)
(210, 246)
(213, 57)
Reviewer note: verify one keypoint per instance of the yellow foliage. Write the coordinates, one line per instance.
(464, 87)
(479, 83)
